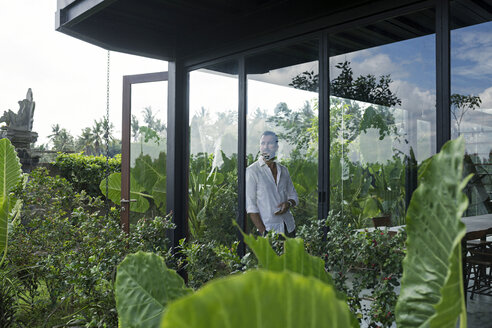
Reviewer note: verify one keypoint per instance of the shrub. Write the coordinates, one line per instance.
(206, 261)
(68, 250)
(86, 172)
(366, 266)
(9, 297)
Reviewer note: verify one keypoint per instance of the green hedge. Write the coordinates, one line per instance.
(86, 172)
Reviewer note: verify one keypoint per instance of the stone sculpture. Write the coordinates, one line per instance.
(24, 118)
(18, 129)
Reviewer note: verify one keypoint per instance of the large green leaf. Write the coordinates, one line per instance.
(144, 286)
(159, 191)
(148, 172)
(295, 258)
(10, 173)
(4, 228)
(136, 192)
(10, 167)
(432, 293)
(260, 299)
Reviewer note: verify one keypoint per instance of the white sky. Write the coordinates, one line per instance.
(67, 76)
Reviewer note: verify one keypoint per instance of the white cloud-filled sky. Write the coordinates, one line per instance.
(67, 76)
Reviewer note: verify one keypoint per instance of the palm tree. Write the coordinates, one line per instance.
(85, 142)
(61, 139)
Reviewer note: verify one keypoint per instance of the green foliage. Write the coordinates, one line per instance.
(364, 88)
(61, 139)
(294, 124)
(260, 299)
(140, 205)
(432, 283)
(144, 286)
(10, 174)
(9, 297)
(69, 250)
(151, 174)
(86, 172)
(304, 175)
(147, 183)
(388, 188)
(294, 259)
(434, 259)
(364, 265)
(462, 104)
(212, 204)
(204, 261)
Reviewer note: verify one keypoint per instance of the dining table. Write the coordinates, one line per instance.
(478, 226)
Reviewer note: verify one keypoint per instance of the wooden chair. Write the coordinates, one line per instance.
(478, 269)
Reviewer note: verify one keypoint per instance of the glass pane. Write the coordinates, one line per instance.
(148, 150)
(212, 204)
(471, 96)
(382, 115)
(283, 98)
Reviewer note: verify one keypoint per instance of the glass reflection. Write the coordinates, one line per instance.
(212, 204)
(148, 150)
(382, 116)
(283, 98)
(471, 97)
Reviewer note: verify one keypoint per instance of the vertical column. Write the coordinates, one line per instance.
(125, 149)
(178, 150)
(443, 74)
(324, 129)
(241, 152)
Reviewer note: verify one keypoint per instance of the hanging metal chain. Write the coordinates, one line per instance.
(106, 133)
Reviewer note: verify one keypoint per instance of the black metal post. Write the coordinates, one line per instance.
(443, 74)
(241, 153)
(177, 150)
(324, 129)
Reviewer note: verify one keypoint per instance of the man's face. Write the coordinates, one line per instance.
(268, 147)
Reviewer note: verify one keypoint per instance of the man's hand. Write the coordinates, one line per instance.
(284, 207)
(258, 222)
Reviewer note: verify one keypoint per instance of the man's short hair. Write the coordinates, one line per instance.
(270, 133)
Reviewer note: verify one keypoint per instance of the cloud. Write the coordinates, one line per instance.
(369, 62)
(486, 97)
(471, 52)
(283, 76)
(413, 98)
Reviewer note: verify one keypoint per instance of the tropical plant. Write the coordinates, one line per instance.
(10, 174)
(66, 248)
(261, 299)
(209, 185)
(61, 139)
(207, 260)
(9, 297)
(144, 287)
(388, 189)
(434, 259)
(309, 300)
(147, 182)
